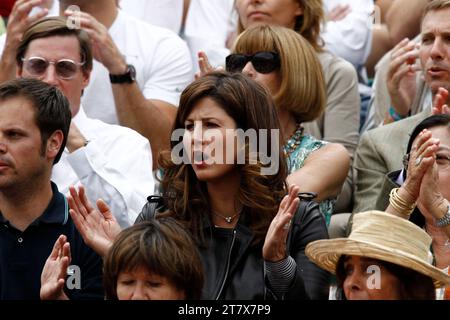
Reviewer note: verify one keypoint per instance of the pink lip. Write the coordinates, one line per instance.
(436, 72)
(257, 14)
(3, 166)
(201, 165)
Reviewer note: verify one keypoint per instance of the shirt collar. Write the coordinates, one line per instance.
(57, 211)
(80, 118)
(115, 27)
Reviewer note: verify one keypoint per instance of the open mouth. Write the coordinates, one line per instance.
(436, 70)
(200, 158)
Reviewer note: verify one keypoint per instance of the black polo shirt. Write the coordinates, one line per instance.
(23, 254)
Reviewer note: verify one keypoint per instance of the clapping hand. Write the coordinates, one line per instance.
(401, 77)
(274, 248)
(439, 105)
(98, 227)
(53, 275)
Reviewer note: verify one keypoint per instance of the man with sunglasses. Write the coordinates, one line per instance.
(113, 162)
(141, 71)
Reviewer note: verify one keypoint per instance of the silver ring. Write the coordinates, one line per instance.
(287, 225)
(418, 160)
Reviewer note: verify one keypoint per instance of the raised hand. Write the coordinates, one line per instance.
(204, 65)
(401, 77)
(98, 228)
(104, 49)
(439, 105)
(53, 275)
(421, 158)
(19, 21)
(274, 248)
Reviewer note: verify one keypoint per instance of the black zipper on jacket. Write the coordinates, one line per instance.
(227, 269)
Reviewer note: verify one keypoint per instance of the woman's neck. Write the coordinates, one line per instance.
(288, 124)
(223, 200)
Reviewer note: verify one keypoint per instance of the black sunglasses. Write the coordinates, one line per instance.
(263, 62)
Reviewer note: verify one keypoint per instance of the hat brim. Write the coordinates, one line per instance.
(326, 253)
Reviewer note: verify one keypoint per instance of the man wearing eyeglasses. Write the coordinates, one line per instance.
(113, 162)
(140, 69)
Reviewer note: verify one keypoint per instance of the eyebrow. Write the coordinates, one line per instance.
(203, 119)
(443, 148)
(431, 33)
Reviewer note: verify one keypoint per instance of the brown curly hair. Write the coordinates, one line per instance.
(252, 107)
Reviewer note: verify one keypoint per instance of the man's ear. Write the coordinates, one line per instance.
(86, 77)
(54, 144)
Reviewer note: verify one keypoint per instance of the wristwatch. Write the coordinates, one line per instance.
(445, 220)
(128, 77)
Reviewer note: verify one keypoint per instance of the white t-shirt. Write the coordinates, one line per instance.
(116, 166)
(208, 26)
(162, 63)
(163, 13)
(351, 37)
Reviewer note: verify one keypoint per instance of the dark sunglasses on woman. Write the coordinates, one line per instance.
(263, 62)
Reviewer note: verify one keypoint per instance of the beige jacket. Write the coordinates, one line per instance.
(340, 121)
(380, 151)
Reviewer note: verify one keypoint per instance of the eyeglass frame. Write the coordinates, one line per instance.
(77, 64)
(406, 162)
(249, 58)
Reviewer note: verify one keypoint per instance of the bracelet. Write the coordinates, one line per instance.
(394, 115)
(400, 204)
(445, 220)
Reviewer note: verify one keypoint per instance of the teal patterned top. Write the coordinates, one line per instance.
(296, 159)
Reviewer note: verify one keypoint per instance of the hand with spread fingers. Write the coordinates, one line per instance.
(53, 276)
(98, 228)
(401, 77)
(274, 248)
(104, 49)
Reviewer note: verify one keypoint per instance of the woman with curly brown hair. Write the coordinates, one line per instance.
(250, 230)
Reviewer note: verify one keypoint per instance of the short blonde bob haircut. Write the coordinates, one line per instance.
(308, 24)
(302, 90)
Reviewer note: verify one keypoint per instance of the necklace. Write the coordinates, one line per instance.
(294, 141)
(227, 219)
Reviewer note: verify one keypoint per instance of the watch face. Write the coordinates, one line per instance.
(132, 71)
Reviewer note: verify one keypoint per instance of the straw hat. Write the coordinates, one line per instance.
(381, 236)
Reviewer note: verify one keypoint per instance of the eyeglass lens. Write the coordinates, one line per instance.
(65, 69)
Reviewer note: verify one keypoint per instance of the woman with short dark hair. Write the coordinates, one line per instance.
(153, 260)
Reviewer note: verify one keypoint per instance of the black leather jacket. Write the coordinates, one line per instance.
(235, 269)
